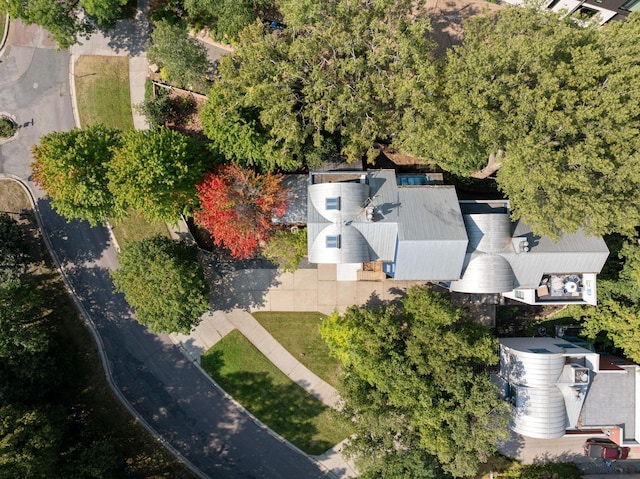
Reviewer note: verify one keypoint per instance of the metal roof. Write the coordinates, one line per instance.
(539, 409)
(490, 233)
(296, 200)
(431, 236)
(352, 198)
(353, 247)
(484, 273)
(421, 228)
(573, 253)
(540, 413)
(429, 260)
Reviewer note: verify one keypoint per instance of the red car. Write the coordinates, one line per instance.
(605, 449)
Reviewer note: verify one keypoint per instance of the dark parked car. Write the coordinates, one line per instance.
(605, 449)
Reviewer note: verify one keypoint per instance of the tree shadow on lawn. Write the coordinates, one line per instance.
(285, 408)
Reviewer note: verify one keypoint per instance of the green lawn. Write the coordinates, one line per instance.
(3, 18)
(299, 333)
(272, 397)
(102, 91)
(135, 227)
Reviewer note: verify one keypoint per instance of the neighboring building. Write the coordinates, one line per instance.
(601, 10)
(557, 387)
(411, 227)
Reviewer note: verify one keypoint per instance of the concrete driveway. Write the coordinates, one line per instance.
(565, 449)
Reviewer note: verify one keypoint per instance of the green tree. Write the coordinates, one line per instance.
(553, 101)
(157, 109)
(58, 18)
(287, 248)
(164, 283)
(617, 315)
(338, 79)
(225, 17)
(155, 172)
(182, 58)
(103, 12)
(411, 389)
(26, 370)
(13, 249)
(30, 442)
(71, 167)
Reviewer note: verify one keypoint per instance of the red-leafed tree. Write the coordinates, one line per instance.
(237, 206)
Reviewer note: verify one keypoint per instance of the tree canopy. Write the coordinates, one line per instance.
(616, 318)
(237, 206)
(25, 370)
(556, 100)
(164, 283)
(103, 12)
(411, 388)
(71, 167)
(155, 172)
(31, 441)
(58, 18)
(336, 79)
(13, 249)
(183, 59)
(225, 17)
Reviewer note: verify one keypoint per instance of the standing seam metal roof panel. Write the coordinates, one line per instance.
(430, 214)
(484, 273)
(429, 260)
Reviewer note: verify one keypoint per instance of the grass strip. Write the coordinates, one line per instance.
(3, 19)
(135, 228)
(299, 333)
(247, 375)
(102, 91)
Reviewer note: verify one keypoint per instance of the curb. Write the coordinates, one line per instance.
(97, 338)
(257, 421)
(72, 89)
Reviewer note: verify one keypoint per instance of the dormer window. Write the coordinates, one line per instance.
(332, 203)
(333, 241)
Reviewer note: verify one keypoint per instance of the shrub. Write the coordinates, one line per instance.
(7, 127)
(287, 248)
(157, 109)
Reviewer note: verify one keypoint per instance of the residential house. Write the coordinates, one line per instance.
(412, 227)
(601, 10)
(557, 387)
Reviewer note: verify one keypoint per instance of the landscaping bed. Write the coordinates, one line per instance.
(250, 378)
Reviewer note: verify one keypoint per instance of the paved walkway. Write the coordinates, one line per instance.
(250, 290)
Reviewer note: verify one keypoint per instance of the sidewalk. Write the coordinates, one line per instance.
(238, 293)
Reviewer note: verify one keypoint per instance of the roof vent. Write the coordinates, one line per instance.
(520, 245)
(369, 213)
(581, 375)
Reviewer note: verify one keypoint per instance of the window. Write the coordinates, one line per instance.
(539, 350)
(631, 5)
(566, 345)
(519, 294)
(333, 241)
(332, 203)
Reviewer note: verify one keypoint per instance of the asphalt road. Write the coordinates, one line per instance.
(172, 395)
